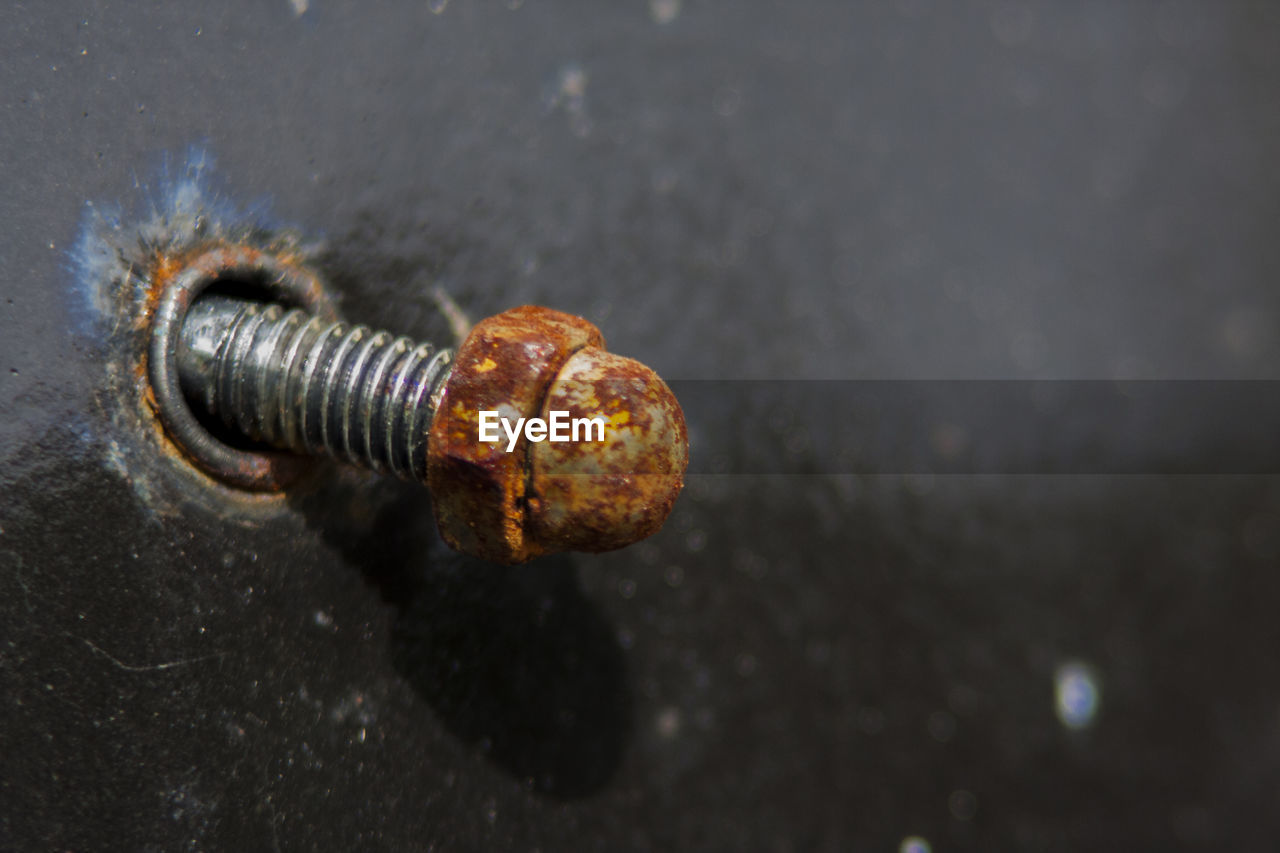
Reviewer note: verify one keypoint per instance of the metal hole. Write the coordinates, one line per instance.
(243, 270)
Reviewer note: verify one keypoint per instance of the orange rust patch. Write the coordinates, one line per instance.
(597, 496)
(544, 497)
(478, 490)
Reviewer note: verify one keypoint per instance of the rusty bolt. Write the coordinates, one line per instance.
(301, 382)
(543, 496)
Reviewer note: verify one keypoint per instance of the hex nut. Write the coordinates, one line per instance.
(591, 496)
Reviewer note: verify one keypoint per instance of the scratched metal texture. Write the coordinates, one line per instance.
(730, 190)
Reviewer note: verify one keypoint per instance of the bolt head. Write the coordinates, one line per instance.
(544, 497)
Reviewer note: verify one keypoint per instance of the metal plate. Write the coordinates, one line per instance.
(743, 190)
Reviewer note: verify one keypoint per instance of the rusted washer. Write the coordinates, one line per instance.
(279, 279)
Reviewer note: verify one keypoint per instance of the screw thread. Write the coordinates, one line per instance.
(292, 380)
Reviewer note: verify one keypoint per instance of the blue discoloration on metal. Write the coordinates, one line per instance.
(179, 206)
(120, 248)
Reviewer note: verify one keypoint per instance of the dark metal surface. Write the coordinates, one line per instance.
(739, 190)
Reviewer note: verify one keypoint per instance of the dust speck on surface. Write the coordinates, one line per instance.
(942, 726)
(668, 722)
(569, 93)
(914, 844)
(1076, 695)
(963, 804)
(664, 11)
(356, 708)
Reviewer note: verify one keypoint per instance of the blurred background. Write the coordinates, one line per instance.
(804, 658)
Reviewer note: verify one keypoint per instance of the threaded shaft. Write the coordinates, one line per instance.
(294, 381)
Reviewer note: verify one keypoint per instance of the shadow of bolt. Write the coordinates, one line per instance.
(517, 662)
(514, 660)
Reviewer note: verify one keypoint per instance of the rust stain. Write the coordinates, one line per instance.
(212, 259)
(597, 496)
